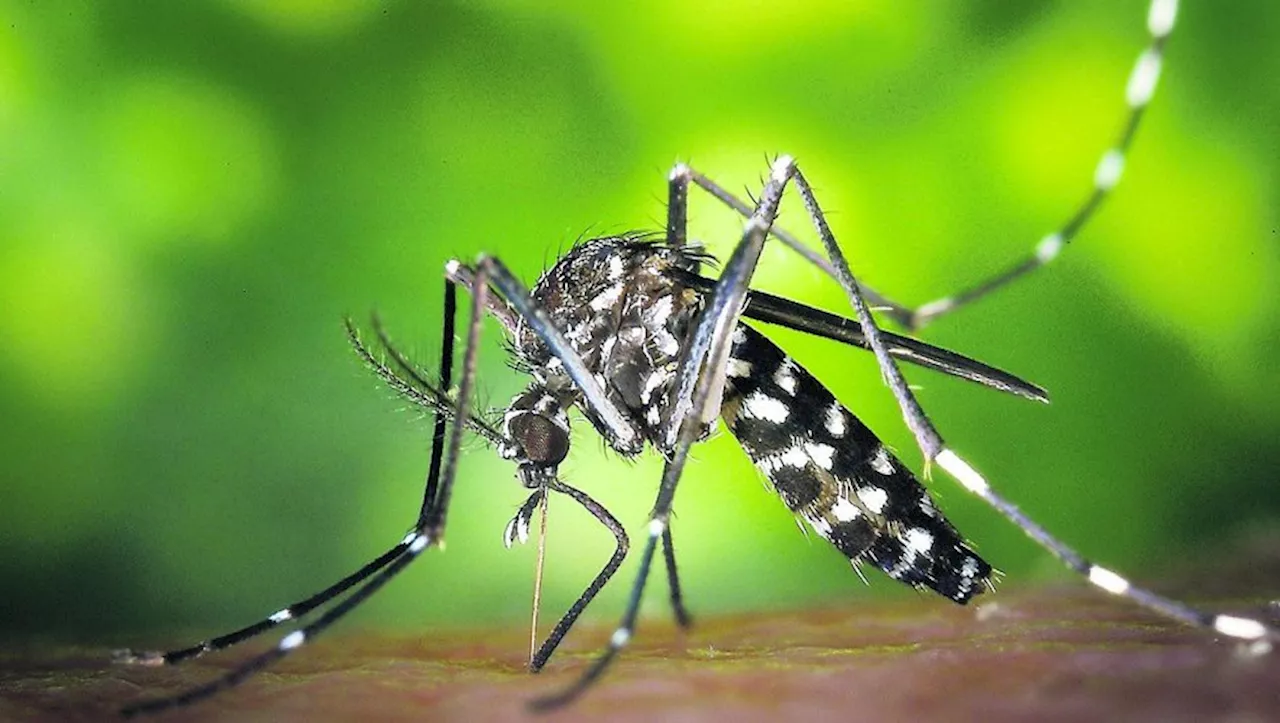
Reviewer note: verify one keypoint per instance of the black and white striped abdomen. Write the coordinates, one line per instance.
(830, 469)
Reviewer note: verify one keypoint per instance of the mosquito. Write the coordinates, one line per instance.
(628, 331)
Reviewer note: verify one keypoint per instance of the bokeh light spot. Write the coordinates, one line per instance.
(1196, 256)
(72, 321)
(1054, 120)
(185, 161)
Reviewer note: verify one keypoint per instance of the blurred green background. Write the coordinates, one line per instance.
(193, 194)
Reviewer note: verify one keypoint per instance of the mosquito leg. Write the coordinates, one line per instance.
(1103, 578)
(678, 205)
(431, 491)
(678, 184)
(302, 607)
(677, 236)
(917, 421)
(291, 612)
(683, 618)
(1138, 92)
(601, 579)
(697, 400)
(427, 532)
(460, 273)
(934, 448)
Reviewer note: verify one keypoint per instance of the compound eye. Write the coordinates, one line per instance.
(542, 440)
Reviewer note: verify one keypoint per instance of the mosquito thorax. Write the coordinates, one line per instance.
(627, 316)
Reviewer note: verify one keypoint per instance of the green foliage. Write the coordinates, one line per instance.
(192, 194)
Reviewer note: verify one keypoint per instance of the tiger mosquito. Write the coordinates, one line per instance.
(627, 331)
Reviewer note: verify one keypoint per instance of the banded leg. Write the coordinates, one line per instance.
(301, 608)
(934, 449)
(1139, 90)
(428, 531)
(1103, 578)
(699, 390)
(294, 611)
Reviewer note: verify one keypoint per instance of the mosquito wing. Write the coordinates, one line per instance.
(801, 317)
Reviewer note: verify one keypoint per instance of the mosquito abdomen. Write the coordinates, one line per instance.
(833, 471)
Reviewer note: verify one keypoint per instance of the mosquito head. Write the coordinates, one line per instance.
(535, 432)
(543, 445)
